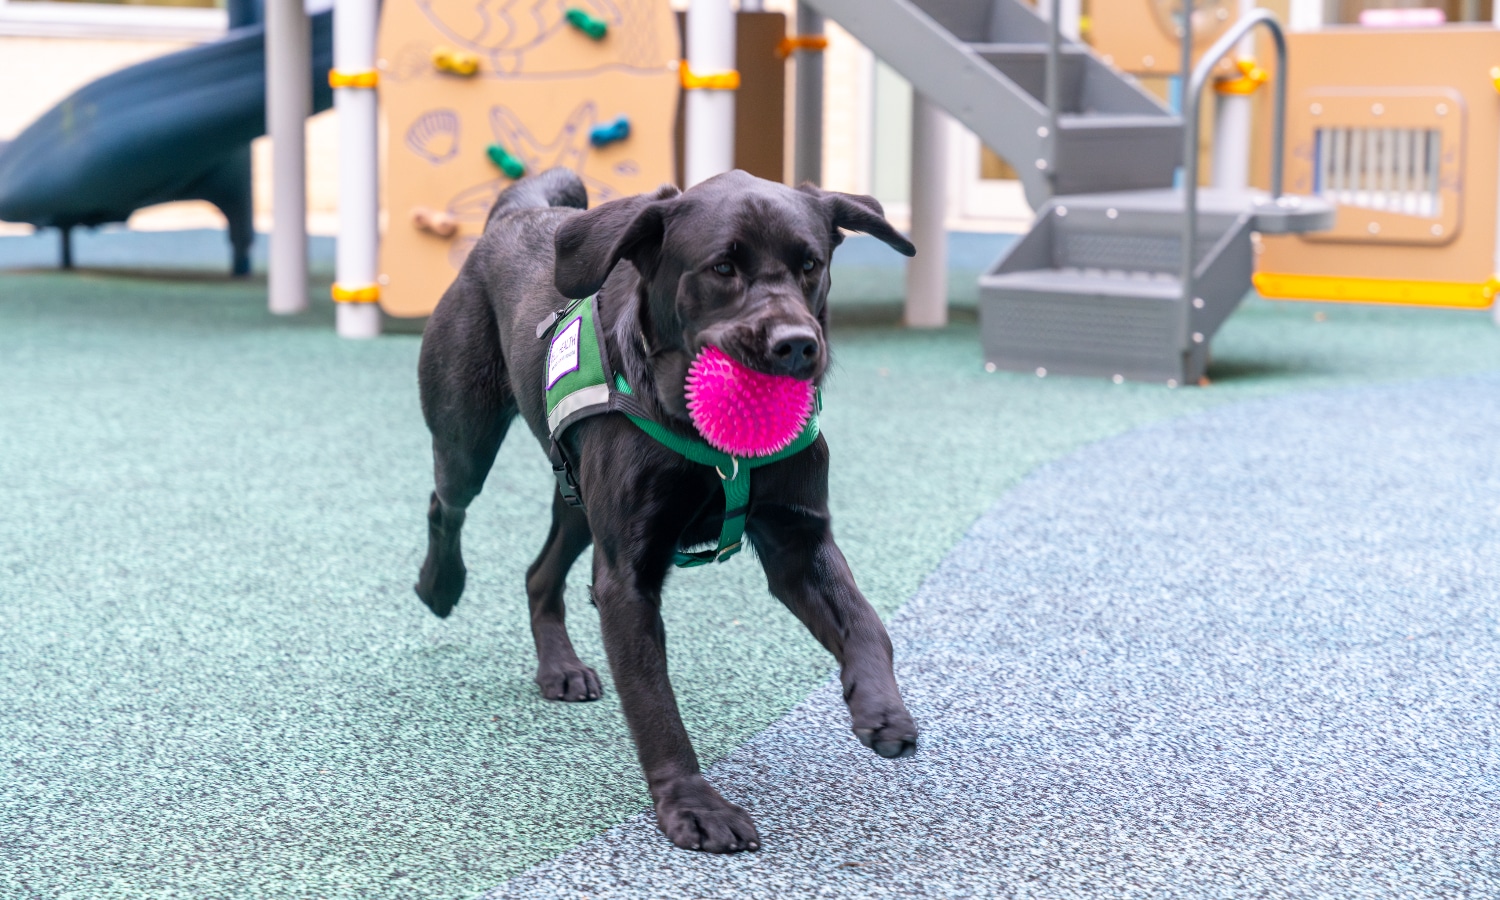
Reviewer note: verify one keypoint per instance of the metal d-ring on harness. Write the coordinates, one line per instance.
(581, 383)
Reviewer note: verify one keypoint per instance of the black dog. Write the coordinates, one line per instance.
(738, 263)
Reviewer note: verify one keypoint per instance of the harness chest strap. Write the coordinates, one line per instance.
(579, 385)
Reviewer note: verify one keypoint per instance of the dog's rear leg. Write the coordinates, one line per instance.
(461, 467)
(468, 406)
(559, 672)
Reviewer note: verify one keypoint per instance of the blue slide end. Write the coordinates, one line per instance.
(177, 127)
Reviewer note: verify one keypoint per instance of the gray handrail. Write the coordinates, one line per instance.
(1191, 103)
(1053, 88)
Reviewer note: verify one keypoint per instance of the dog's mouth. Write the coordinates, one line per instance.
(791, 351)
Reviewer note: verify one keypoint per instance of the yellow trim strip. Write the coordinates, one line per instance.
(1339, 289)
(713, 81)
(369, 293)
(366, 79)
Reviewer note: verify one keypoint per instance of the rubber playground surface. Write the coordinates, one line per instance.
(1230, 641)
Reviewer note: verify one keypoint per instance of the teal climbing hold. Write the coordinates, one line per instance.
(610, 132)
(507, 162)
(593, 26)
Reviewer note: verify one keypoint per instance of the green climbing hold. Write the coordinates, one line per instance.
(508, 162)
(593, 26)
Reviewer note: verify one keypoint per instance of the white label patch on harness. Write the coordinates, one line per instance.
(563, 357)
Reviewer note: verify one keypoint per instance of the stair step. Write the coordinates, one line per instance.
(1292, 214)
(1073, 280)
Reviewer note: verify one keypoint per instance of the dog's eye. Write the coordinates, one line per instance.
(809, 264)
(724, 268)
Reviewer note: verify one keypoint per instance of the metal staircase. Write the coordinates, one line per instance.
(1121, 275)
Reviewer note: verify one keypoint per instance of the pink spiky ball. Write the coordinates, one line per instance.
(744, 412)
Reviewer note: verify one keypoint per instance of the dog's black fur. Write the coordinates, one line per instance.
(736, 262)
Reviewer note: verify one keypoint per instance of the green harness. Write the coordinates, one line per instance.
(581, 383)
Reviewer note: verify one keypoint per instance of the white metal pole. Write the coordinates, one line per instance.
(288, 104)
(1231, 147)
(709, 145)
(807, 159)
(927, 272)
(355, 290)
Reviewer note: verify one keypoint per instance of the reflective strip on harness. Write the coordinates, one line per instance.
(578, 400)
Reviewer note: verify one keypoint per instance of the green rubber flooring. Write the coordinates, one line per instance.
(215, 680)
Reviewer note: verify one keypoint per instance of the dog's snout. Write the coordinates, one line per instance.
(794, 350)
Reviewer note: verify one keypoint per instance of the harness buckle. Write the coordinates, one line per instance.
(567, 481)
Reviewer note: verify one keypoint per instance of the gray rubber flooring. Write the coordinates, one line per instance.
(1246, 653)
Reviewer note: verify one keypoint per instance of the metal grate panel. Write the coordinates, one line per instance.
(1390, 169)
(1119, 250)
(1081, 326)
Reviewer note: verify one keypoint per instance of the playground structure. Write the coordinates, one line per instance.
(1097, 286)
(1120, 275)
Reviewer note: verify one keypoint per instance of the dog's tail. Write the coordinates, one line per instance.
(554, 187)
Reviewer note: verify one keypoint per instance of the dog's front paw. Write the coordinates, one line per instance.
(695, 817)
(887, 729)
(570, 681)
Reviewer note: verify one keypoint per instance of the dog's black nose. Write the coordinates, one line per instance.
(794, 350)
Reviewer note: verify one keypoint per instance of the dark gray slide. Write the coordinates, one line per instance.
(177, 127)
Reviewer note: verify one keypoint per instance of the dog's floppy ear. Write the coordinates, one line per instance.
(857, 212)
(589, 244)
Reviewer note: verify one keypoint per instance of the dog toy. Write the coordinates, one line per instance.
(508, 162)
(744, 412)
(592, 26)
(454, 62)
(610, 132)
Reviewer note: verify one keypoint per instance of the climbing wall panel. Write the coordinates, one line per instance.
(472, 91)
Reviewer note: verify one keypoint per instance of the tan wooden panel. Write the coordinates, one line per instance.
(1436, 79)
(541, 88)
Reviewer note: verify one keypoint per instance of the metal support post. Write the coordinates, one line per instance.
(710, 80)
(288, 104)
(1231, 147)
(807, 158)
(356, 290)
(927, 272)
